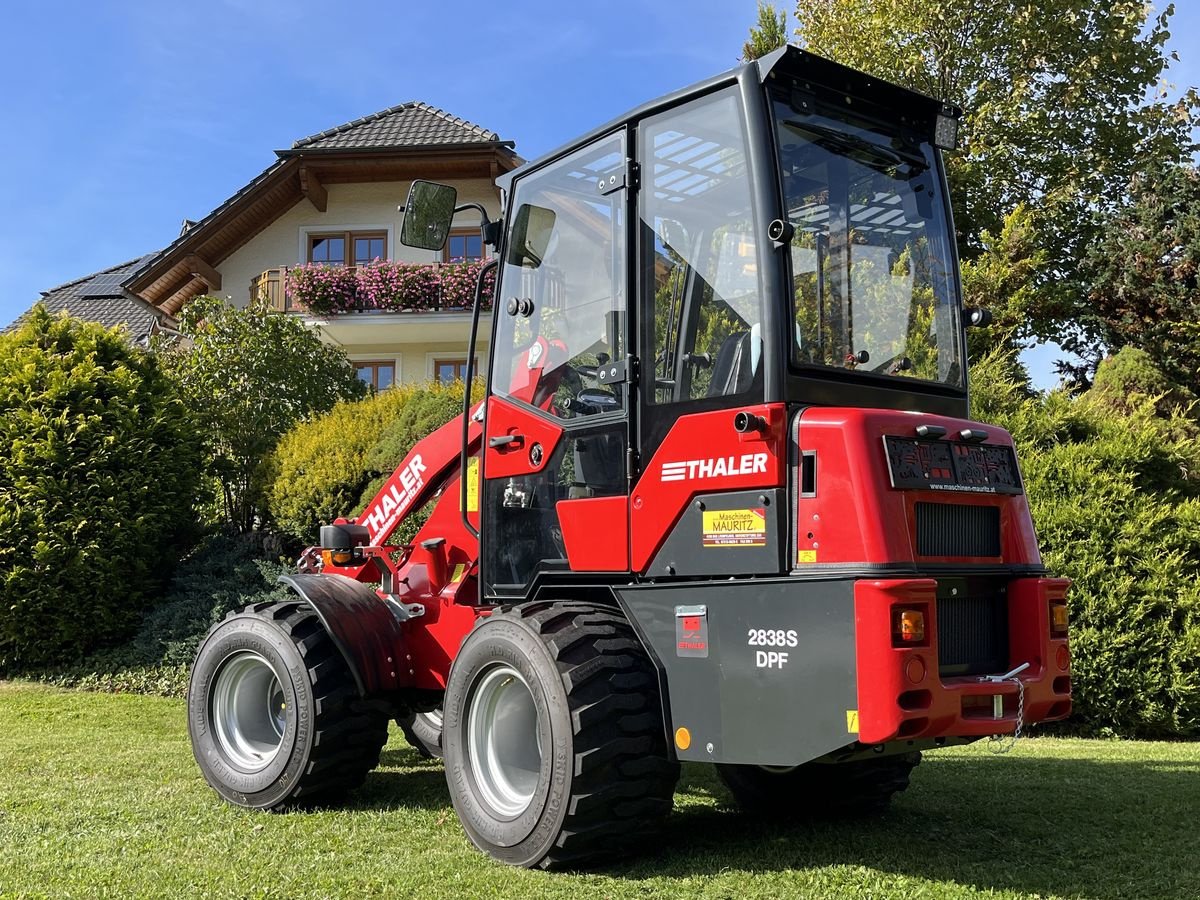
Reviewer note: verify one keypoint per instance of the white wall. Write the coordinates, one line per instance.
(351, 207)
(406, 338)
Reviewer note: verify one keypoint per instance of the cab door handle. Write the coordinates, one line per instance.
(507, 441)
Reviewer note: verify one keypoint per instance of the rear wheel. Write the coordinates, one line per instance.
(273, 712)
(423, 731)
(554, 739)
(864, 787)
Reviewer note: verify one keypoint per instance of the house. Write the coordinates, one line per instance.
(101, 298)
(332, 199)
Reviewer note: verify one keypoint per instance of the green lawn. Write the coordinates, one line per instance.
(99, 796)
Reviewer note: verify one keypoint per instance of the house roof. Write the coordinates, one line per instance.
(100, 298)
(412, 140)
(412, 124)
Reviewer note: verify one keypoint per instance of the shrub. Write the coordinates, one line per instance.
(250, 375)
(334, 465)
(1115, 502)
(97, 484)
(223, 574)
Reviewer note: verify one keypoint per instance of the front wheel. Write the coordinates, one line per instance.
(554, 740)
(273, 712)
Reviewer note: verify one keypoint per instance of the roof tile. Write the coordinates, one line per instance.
(99, 298)
(412, 124)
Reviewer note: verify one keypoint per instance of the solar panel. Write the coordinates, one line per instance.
(105, 285)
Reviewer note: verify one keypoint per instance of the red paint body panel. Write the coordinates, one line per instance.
(416, 479)
(512, 460)
(894, 706)
(858, 517)
(759, 458)
(596, 533)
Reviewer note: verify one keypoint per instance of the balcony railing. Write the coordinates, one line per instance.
(378, 287)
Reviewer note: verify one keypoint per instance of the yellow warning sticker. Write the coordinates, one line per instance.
(472, 486)
(807, 556)
(852, 721)
(735, 527)
(459, 571)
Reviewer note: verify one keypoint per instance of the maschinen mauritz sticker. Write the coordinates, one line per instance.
(735, 527)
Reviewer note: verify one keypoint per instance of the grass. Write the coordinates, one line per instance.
(99, 796)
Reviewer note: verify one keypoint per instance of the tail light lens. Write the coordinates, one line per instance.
(908, 626)
(1059, 618)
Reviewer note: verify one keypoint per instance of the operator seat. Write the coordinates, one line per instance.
(733, 369)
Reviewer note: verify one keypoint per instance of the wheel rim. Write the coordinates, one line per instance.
(433, 718)
(503, 740)
(249, 711)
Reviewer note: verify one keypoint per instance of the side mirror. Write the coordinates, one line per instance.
(530, 237)
(428, 213)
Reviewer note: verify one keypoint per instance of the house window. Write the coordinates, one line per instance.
(463, 246)
(380, 375)
(356, 248)
(447, 370)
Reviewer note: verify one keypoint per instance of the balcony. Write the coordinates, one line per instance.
(327, 291)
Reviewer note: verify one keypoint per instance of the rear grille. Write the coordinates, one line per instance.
(947, 529)
(972, 635)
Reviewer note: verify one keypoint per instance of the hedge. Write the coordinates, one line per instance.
(334, 464)
(1112, 486)
(223, 574)
(97, 482)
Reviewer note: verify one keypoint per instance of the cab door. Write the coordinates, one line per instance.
(556, 436)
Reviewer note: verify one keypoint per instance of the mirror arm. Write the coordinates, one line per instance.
(489, 233)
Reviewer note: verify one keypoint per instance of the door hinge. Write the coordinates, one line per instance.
(615, 181)
(617, 371)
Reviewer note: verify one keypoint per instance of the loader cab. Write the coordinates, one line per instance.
(778, 234)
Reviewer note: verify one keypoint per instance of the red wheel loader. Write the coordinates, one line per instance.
(722, 501)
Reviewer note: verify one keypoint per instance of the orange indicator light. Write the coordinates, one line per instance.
(909, 626)
(683, 738)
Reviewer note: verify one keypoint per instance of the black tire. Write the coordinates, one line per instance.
(815, 790)
(304, 738)
(423, 731)
(599, 777)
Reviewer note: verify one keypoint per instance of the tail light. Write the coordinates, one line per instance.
(908, 626)
(1059, 618)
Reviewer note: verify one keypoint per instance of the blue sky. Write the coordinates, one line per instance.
(126, 117)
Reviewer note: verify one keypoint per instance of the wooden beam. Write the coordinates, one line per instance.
(311, 185)
(173, 304)
(202, 270)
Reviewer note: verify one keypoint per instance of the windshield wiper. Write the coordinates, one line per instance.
(887, 156)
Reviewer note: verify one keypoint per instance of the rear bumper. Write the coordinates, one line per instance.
(901, 696)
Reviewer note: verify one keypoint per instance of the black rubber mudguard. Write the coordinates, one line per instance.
(362, 627)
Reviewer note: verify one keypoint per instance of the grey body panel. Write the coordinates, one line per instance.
(685, 551)
(783, 713)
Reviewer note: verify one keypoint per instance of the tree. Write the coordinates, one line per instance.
(1145, 273)
(97, 484)
(1063, 102)
(249, 375)
(769, 34)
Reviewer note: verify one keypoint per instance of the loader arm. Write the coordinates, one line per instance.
(424, 471)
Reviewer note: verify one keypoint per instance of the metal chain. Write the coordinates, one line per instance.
(997, 742)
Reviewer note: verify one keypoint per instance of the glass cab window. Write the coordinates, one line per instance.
(561, 312)
(703, 296)
(871, 259)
